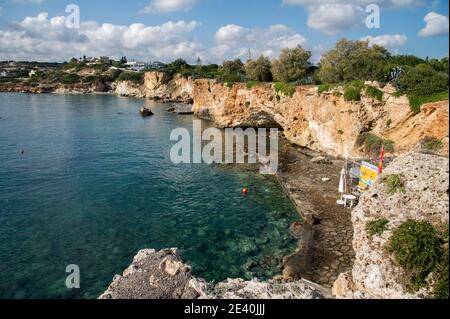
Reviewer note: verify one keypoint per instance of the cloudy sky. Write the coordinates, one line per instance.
(214, 29)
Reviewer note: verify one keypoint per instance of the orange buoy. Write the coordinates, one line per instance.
(245, 191)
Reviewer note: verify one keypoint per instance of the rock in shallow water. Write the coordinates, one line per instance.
(145, 112)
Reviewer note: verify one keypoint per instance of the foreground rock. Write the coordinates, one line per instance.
(163, 275)
(155, 275)
(425, 197)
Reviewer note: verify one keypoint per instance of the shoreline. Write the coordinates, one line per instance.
(308, 261)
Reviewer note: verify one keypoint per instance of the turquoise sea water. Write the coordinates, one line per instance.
(95, 184)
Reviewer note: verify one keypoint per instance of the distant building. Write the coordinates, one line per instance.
(32, 73)
(156, 65)
(104, 59)
(141, 66)
(3, 74)
(136, 66)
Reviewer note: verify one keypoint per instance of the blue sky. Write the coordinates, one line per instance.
(214, 29)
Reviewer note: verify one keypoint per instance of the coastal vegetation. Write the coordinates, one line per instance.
(374, 92)
(376, 227)
(373, 144)
(431, 144)
(394, 183)
(420, 250)
(287, 89)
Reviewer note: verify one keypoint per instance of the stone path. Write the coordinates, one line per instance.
(332, 232)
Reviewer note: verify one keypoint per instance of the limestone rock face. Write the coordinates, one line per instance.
(374, 273)
(325, 122)
(159, 85)
(163, 275)
(128, 89)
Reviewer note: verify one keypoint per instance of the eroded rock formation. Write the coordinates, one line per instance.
(375, 273)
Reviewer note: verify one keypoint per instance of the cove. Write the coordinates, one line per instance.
(95, 184)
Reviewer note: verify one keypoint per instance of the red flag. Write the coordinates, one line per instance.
(380, 165)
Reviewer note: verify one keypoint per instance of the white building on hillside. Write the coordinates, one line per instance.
(136, 66)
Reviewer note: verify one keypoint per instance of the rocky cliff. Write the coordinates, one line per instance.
(422, 196)
(158, 86)
(322, 122)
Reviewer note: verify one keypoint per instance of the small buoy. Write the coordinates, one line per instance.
(21, 151)
(245, 191)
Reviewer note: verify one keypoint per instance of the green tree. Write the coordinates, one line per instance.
(292, 65)
(233, 67)
(352, 60)
(232, 71)
(259, 70)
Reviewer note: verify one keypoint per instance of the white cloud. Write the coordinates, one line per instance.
(48, 39)
(389, 41)
(437, 24)
(165, 6)
(234, 41)
(335, 16)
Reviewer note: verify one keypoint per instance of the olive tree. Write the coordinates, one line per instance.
(259, 70)
(232, 71)
(352, 60)
(292, 65)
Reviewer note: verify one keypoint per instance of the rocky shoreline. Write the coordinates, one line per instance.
(328, 253)
(163, 275)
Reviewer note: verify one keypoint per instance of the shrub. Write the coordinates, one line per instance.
(252, 84)
(351, 94)
(373, 144)
(376, 227)
(423, 84)
(416, 102)
(394, 183)
(422, 80)
(70, 78)
(441, 287)
(288, 89)
(352, 90)
(136, 77)
(90, 79)
(247, 104)
(417, 248)
(431, 144)
(374, 93)
(324, 88)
